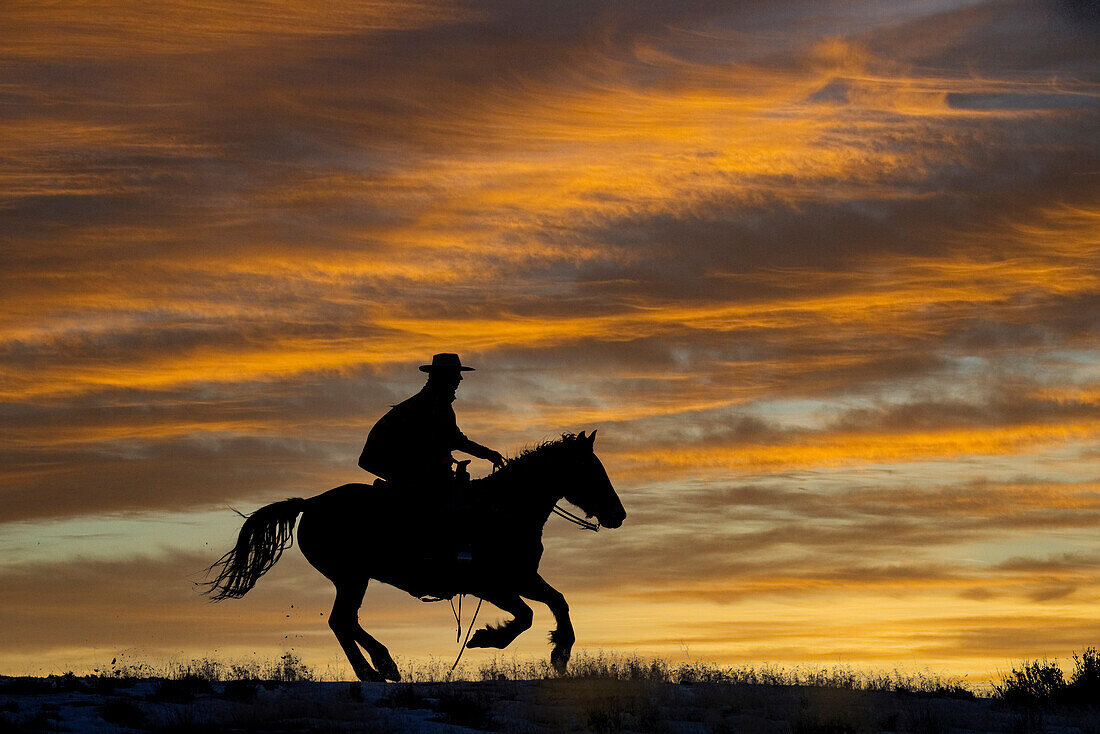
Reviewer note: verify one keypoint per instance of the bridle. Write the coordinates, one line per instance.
(566, 514)
(576, 520)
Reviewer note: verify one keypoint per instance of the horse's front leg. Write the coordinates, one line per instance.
(562, 637)
(503, 635)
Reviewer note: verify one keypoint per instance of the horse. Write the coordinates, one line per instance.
(355, 533)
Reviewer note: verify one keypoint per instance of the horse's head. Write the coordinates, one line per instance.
(590, 489)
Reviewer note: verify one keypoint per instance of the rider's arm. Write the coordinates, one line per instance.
(482, 452)
(459, 442)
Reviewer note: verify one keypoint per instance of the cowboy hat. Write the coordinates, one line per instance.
(445, 361)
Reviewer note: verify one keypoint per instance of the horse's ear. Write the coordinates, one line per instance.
(592, 437)
(581, 437)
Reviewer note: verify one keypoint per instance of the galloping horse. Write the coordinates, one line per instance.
(355, 533)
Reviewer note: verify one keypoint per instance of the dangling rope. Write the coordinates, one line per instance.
(468, 629)
(458, 616)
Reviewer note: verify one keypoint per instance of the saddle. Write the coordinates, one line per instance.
(460, 481)
(446, 525)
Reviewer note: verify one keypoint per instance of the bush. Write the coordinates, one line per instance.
(1084, 684)
(1042, 683)
(1037, 682)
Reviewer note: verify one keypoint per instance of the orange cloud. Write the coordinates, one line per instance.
(842, 449)
(99, 29)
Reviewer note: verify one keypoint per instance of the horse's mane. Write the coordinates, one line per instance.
(528, 456)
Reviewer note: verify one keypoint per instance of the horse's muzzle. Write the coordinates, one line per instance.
(613, 519)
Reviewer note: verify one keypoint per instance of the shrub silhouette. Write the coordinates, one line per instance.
(1043, 684)
(1084, 685)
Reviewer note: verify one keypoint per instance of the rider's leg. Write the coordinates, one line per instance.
(424, 497)
(502, 636)
(562, 637)
(463, 513)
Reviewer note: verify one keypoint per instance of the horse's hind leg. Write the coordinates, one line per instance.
(563, 636)
(502, 636)
(379, 655)
(344, 622)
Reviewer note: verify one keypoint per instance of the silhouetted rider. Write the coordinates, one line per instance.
(411, 444)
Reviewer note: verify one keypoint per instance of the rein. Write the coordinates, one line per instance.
(567, 515)
(576, 520)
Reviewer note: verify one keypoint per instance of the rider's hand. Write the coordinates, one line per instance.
(496, 458)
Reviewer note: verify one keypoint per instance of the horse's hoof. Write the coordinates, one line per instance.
(480, 639)
(388, 671)
(559, 659)
(368, 674)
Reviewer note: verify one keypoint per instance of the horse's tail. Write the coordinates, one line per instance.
(266, 533)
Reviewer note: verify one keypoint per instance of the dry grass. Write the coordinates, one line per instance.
(287, 668)
(603, 692)
(614, 666)
(599, 665)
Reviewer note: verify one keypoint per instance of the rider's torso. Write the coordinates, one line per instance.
(414, 439)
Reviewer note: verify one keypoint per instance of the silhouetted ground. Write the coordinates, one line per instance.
(195, 704)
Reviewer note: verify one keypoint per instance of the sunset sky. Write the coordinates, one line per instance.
(825, 276)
